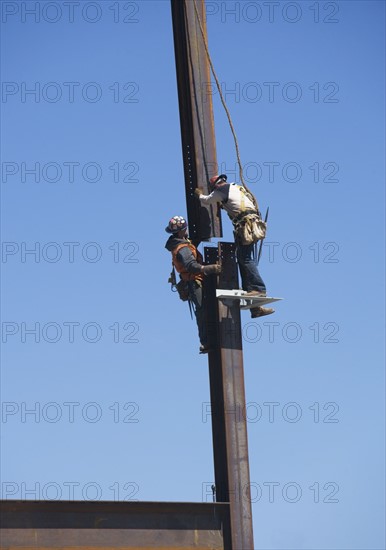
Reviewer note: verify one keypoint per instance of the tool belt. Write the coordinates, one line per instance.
(242, 214)
(183, 290)
(182, 287)
(249, 227)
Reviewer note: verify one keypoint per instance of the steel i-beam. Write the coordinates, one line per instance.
(228, 404)
(196, 115)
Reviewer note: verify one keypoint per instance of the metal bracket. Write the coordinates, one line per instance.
(228, 297)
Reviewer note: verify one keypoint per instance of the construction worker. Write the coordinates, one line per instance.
(187, 260)
(237, 202)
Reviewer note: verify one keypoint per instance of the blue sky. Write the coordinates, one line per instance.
(112, 371)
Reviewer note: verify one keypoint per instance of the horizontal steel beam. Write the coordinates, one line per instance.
(106, 525)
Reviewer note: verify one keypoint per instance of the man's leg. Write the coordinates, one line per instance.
(196, 293)
(250, 276)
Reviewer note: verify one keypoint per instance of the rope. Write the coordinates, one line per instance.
(224, 105)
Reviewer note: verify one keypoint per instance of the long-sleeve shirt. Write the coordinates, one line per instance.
(232, 198)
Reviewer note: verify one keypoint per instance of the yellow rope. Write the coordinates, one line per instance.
(223, 102)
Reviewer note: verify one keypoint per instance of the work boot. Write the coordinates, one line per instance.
(256, 293)
(261, 311)
(204, 349)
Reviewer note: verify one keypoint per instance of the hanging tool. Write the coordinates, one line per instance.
(261, 242)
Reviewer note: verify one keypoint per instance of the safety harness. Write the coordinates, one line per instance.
(248, 227)
(182, 287)
(185, 275)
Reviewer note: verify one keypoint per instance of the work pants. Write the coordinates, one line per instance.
(196, 295)
(250, 276)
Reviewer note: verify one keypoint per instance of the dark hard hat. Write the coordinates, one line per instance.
(217, 179)
(176, 224)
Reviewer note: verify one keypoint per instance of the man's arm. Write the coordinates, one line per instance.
(191, 265)
(185, 256)
(215, 196)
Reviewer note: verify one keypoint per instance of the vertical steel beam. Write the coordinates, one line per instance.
(228, 402)
(216, 385)
(231, 353)
(230, 446)
(196, 116)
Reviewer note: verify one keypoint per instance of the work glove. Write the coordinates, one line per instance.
(198, 192)
(211, 269)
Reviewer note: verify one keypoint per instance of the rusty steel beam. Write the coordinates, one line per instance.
(216, 385)
(196, 116)
(228, 401)
(50, 525)
(234, 405)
